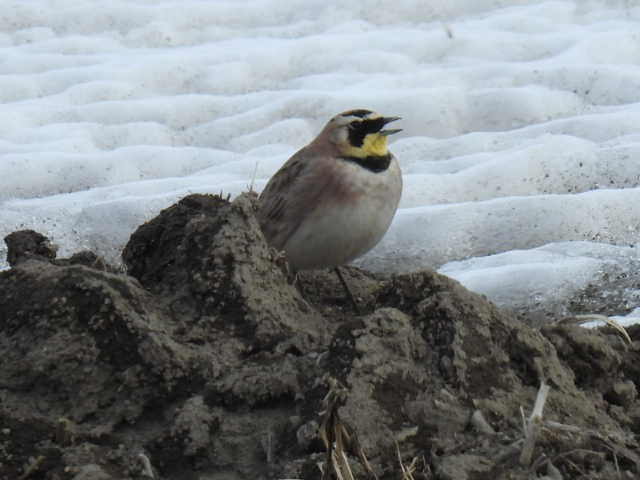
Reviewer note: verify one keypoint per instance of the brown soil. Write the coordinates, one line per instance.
(206, 360)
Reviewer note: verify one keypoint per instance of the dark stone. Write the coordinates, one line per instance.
(27, 244)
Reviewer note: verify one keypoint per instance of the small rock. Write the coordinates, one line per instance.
(91, 472)
(622, 393)
(88, 259)
(480, 423)
(306, 434)
(25, 244)
(463, 467)
(194, 424)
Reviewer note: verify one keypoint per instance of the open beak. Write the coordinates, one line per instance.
(390, 131)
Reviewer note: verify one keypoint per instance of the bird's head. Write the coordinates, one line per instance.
(360, 133)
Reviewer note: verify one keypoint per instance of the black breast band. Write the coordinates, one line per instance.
(374, 163)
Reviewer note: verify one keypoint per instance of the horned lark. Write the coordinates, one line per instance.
(334, 199)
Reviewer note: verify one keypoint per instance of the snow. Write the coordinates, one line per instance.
(555, 278)
(520, 145)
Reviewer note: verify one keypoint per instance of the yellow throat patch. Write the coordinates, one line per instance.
(373, 145)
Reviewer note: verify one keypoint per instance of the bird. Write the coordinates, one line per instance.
(335, 198)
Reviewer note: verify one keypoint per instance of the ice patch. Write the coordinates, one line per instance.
(555, 280)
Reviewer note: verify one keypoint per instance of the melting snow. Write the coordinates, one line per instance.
(520, 148)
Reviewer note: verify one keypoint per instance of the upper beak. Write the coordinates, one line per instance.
(391, 131)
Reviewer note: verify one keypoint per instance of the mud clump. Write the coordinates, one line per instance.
(206, 362)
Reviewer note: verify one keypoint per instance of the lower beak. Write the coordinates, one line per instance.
(391, 131)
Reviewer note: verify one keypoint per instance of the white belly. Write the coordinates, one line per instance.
(337, 233)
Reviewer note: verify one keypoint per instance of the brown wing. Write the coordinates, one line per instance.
(291, 194)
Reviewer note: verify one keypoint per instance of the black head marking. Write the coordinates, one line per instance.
(360, 113)
(358, 129)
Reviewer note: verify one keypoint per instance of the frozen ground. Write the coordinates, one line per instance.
(521, 142)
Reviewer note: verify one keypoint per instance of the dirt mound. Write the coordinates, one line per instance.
(205, 362)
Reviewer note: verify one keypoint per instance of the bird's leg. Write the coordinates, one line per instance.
(348, 290)
(293, 279)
